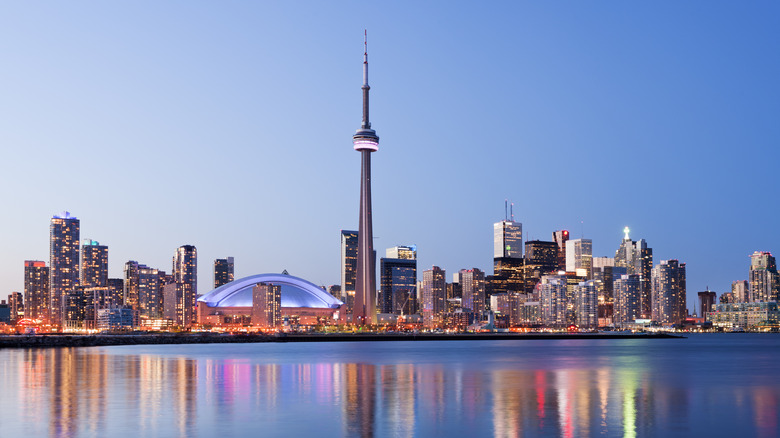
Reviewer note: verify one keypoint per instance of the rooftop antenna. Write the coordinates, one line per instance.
(505, 215)
(582, 229)
(511, 210)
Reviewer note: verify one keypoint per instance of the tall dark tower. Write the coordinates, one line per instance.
(365, 141)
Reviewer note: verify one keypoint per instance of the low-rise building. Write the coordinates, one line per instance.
(746, 316)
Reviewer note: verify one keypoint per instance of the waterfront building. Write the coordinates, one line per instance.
(36, 290)
(398, 292)
(94, 264)
(130, 286)
(365, 141)
(746, 316)
(553, 300)
(5, 312)
(560, 238)
(637, 258)
(740, 291)
(16, 304)
(116, 318)
(706, 302)
(628, 299)
(668, 292)
(579, 255)
(185, 275)
(763, 278)
(434, 296)
(223, 271)
(586, 304)
(63, 263)
(266, 305)
(509, 275)
(508, 239)
(472, 283)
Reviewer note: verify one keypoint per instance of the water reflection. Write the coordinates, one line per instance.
(97, 392)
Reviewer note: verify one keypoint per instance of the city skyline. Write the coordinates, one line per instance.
(693, 105)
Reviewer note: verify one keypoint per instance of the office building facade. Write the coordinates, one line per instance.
(223, 271)
(398, 290)
(434, 296)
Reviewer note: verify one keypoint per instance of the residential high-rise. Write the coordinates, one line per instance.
(36, 290)
(63, 263)
(706, 302)
(267, 305)
(398, 293)
(16, 304)
(628, 294)
(552, 299)
(586, 304)
(579, 255)
(185, 275)
(434, 296)
(365, 141)
(763, 277)
(349, 245)
(131, 283)
(472, 283)
(668, 292)
(223, 271)
(637, 258)
(740, 291)
(560, 238)
(508, 239)
(94, 264)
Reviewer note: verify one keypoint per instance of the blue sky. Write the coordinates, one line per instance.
(228, 126)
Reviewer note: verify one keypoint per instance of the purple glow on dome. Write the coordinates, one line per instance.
(296, 292)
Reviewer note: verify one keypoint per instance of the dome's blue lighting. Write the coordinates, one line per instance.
(296, 292)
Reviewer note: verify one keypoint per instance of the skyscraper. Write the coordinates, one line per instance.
(472, 283)
(586, 304)
(398, 293)
(637, 258)
(560, 238)
(36, 290)
(579, 255)
(508, 239)
(706, 302)
(223, 271)
(16, 303)
(669, 291)
(267, 305)
(94, 264)
(740, 291)
(63, 263)
(552, 298)
(541, 258)
(365, 141)
(627, 299)
(434, 296)
(349, 245)
(185, 275)
(763, 277)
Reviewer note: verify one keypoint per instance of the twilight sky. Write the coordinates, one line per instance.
(227, 125)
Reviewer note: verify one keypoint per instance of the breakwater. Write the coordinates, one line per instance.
(59, 340)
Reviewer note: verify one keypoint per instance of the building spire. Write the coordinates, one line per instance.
(366, 124)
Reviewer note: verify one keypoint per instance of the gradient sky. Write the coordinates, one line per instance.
(227, 125)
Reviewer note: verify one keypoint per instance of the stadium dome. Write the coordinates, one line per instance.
(296, 292)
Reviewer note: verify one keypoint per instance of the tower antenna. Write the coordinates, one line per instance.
(506, 216)
(512, 211)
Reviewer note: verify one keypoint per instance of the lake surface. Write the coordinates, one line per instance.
(710, 384)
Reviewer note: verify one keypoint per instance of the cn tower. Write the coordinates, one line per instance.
(365, 141)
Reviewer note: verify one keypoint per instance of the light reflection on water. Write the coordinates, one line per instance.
(582, 388)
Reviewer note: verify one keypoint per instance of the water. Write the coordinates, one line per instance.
(717, 385)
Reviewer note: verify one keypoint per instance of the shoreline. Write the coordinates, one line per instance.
(104, 340)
